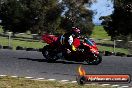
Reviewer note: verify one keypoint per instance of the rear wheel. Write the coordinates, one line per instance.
(49, 54)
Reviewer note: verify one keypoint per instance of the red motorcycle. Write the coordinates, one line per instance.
(87, 51)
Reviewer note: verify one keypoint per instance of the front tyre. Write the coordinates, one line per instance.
(98, 59)
(49, 54)
(94, 59)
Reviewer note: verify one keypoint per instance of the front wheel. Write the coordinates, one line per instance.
(94, 59)
(49, 54)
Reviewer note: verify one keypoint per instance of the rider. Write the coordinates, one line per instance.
(70, 40)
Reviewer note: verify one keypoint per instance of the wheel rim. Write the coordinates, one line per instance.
(50, 57)
(95, 60)
(46, 53)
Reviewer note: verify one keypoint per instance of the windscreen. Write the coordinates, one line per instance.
(88, 41)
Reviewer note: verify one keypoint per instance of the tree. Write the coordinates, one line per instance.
(53, 16)
(44, 15)
(12, 16)
(34, 15)
(119, 23)
(80, 14)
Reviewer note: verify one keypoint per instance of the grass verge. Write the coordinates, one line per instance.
(105, 48)
(7, 82)
(26, 44)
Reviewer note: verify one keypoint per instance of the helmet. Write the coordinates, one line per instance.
(76, 31)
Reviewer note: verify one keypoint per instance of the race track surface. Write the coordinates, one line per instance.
(32, 63)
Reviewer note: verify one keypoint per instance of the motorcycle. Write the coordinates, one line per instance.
(86, 52)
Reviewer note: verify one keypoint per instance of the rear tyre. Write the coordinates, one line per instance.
(49, 54)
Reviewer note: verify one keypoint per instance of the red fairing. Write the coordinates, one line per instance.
(94, 46)
(49, 38)
(76, 42)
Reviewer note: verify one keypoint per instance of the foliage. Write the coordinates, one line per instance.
(41, 16)
(12, 15)
(34, 15)
(80, 15)
(119, 23)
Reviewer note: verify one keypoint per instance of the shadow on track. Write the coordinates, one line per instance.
(70, 62)
(61, 62)
(38, 60)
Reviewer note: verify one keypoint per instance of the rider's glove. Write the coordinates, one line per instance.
(73, 48)
(68, 51)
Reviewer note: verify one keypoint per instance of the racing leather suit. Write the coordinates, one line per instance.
(69, 42)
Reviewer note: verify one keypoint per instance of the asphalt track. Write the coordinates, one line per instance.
(32, 63)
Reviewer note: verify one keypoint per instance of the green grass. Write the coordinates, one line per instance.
(24, 35)
(26, 44)
(105, 48)
(1, 29)
(99, 33)
(7, 82)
